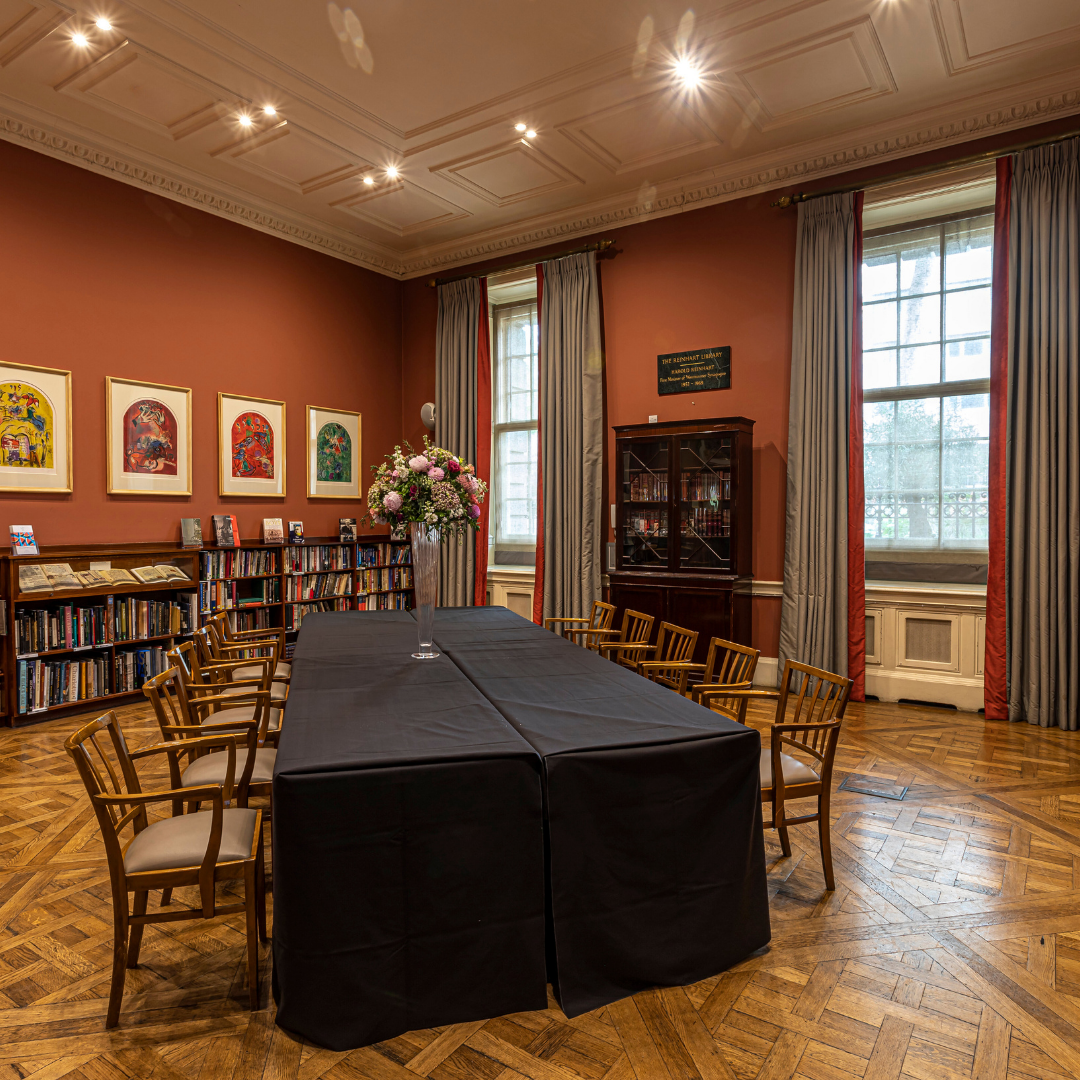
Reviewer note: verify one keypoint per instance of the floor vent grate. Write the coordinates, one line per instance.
(871, 785)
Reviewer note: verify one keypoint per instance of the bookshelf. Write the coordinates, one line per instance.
(98, 645)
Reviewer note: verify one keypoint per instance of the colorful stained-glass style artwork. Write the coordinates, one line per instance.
(252, 447)
(27, 427)
(333, 454)
(150, 438)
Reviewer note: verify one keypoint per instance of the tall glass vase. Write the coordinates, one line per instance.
(425, 561)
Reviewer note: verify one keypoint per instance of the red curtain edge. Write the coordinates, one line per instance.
(483, 444)
(538, 578)
(995, 680)
(856, 598)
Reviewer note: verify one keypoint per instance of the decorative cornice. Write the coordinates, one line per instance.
(151, 176)
(706, 188)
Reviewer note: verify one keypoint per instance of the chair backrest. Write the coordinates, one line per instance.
(166, 693)
(187, 659)
(674, 643)
(814, 699)
(729, 662)
(636, 627)
(602, 615)
(103, 739)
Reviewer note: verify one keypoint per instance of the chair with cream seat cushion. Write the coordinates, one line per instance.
(230, 644)
(199, 850)
(228, 672)
(810, 707)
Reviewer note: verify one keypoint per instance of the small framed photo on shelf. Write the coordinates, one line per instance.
(35, 429)
(333, 453)
(251, 446)
(147, 438)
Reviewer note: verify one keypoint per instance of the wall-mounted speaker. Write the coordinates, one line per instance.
(427, 415)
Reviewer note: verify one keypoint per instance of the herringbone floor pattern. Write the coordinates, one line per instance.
(950, 948)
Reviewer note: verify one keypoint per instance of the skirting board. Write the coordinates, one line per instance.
(948, 689)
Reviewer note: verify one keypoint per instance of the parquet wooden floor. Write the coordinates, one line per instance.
(950, 948)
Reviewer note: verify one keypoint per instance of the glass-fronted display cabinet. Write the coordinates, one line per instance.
(684, 509)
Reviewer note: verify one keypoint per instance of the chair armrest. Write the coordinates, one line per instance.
(628, 646)
(247, 646)
(589, 632)
(145, 798)
(199, 741)
(553, 619)
(677, 665)
(276, 634)
(737, 689)
(228, 665)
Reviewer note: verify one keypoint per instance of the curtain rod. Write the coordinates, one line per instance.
(602, 245)
(925, 170)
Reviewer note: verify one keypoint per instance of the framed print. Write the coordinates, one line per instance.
(35, 428)
(251, 446)
(147, 438)
(333, 453)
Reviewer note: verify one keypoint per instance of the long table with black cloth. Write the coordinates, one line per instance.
(452, 834)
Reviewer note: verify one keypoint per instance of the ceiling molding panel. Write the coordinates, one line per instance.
(831, 69)
(508, 173)
(24, 25)
(973, 33)
(401, 208)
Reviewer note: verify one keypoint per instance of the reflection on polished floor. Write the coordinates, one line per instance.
(950, 948)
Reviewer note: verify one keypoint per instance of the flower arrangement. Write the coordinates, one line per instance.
(433, 488)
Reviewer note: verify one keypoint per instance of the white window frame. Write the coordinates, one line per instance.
(939, 390)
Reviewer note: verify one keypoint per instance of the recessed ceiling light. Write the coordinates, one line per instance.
(270, 110)
(103, 24)
(80, 40)
(369, 180)
(530, 134)
(391, 171)
(688, 73)
(244, 120)
(520, 127)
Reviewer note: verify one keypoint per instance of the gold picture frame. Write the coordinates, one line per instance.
(347, 437)
(248, 411)
(156, 403)
(34, 424)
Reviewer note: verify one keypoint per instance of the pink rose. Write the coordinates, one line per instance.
(419, 463)
(436, 473)
(452, 466)
(392, 501)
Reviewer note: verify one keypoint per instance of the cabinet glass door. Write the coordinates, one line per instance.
(645, 479)
(705, 503)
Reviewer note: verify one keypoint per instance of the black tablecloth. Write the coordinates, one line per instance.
(408, 844)
(652, 803)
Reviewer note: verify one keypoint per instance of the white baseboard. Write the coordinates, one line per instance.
(765, 673)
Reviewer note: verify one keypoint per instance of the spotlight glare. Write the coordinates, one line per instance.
(530, 134)
(369, 180)
(103, 24)
(80, 40)
(244, 120)
(688, 73)
(391, 171)
(269, 110)
(520, 127)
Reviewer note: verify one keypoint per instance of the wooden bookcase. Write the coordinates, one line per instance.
(271, 585)
(683, 525)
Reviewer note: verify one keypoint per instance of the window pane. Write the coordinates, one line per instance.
(920, 320)
(920, 366)
(965, 458)
(920, 262)
(967, 359)
(969, 252)
(879, 369)
(516, 364)
(879, 277)
(967, 313)
(515, 502)
(879, 325)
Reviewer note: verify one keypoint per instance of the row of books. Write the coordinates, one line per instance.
(68, 626)
(384, 580)
(646, 487)
(133, 667)
(51, 577)
(44, 683)
(294, 613)
(225, 595)
(318, 557)
(388, 601)
(383, 555)
(315, 586)
(704, 521)
(700, 486)
(259, 619)
(647, 524)
(244, 562)
(227, 531)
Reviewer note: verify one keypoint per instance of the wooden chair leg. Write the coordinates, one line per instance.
(824, 834)
(785, 843)
(260, 897)
(252, 936)
(166, 897)
(119, 968)
(135, 941)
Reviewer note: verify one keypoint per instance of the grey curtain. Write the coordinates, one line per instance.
(456, 338)
(571, 435)
(813, 621)
(1043, 444)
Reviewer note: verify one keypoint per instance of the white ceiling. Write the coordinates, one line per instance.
(792, 89)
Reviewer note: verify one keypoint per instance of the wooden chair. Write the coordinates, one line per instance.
(600, 618)
(813, 728)
(634, 635)
(221, 844)
(727, 665)
(228, 673)
(249, 659)
(187, 658)
(230, 644)
(673, 647)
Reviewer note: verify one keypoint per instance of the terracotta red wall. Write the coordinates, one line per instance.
(720, 275)
(104, 279)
